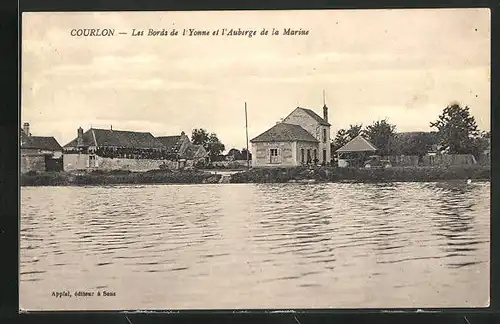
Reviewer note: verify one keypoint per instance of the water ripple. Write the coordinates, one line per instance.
(298, 244)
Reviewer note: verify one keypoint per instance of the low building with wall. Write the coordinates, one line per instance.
(302, 138)
(284, 145)
(102, 149)
(76, 161)
(39, 153)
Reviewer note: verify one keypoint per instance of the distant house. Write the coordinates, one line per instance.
(181, 149)
(39, 153)
(355, 152)
(108, 149)
(302, 138)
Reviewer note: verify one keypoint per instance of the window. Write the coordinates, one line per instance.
(302, 156)
(309, 156)
(324, 156)
(324, 135)
(315, 155)
(274, 158)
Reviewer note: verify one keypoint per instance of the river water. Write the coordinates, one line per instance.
(250, 246)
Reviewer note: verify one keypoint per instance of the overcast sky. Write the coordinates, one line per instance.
(404, 65)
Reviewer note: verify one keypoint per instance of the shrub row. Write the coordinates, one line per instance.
(122, 177)
(399, 174)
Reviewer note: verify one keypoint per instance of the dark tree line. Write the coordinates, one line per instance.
(455, 132)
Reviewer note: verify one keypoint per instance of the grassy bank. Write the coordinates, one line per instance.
(117, 177)
(395, 174)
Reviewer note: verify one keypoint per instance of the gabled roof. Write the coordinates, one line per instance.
(314, 115)
(284, 132)
(358, 144)
(169, 142)
(191, 150)
(117, 138)
(47, 143)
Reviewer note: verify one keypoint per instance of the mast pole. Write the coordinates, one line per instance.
(246, 130)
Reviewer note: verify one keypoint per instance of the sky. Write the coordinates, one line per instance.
(403, 65)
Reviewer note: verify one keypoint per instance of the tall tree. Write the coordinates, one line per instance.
(382, 135)
(354, 131)
(209, 141)
(214, 146)
(200, 136)
(341, 139)
(456, 129)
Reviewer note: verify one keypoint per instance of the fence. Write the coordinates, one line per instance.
(434, 160)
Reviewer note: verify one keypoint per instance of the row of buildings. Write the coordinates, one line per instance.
(301, 138)
(108, 149)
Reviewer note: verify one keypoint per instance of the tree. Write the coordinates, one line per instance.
(456, 129)
(244, 153)
(235, 154)
(382, 135)
(415, 143)
(214, 146)
(200, 136)
(210, 142)
(344, 136)
(341, 139)
(354, 131)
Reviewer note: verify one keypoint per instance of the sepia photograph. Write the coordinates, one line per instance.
(240, 160)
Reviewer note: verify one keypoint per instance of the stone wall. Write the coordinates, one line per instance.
(135, 165)
(232, 164)
(75, 161)
(261, 154)
(449, 159)
(81, 162)
(301, 118)
(32, 163)
(307, 146)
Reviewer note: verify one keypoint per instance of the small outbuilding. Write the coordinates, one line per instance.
(355, 152)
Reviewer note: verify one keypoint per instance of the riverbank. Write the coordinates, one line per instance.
(117, 177)
(394, 174)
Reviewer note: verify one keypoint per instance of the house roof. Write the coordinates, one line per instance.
(358, 144)
(117, 138)
(284, 132)
(190, 151)
(314, 115)
(169, 142)
(47, 143)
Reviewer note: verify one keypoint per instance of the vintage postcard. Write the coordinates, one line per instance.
(255, 160)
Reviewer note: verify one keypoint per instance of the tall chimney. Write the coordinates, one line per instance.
(26, 128)
(325, 113)
(79, 138)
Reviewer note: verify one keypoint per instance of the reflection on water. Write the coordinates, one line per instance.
(256, 246)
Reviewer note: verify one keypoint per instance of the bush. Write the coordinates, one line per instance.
(399, 174)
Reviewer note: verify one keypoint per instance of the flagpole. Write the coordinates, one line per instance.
(246, 129)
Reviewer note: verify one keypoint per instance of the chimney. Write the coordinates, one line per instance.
(325, 113)
(79, 138)
(26, 128)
